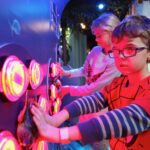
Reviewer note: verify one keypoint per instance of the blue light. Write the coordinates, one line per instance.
(101, 6)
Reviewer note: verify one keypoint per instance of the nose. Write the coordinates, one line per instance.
(120, 55)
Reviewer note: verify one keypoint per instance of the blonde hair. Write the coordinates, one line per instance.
(106, 21)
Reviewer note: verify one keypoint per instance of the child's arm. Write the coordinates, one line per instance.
(101, 82)
(87, 104)
(122, 122)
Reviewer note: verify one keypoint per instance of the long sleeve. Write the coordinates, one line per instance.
(101, 65)
(78, 72)
(86, 104)
(110, 73)
(117, 123)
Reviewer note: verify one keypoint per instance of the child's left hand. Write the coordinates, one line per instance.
(43, 122)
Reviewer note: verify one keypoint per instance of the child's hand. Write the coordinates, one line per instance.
(44, 123)
(61, 71)
(38, 113)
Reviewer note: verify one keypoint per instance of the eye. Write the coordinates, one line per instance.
(129, 50)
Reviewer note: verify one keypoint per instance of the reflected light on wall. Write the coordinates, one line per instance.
(41, 26)
(35, 74)
(7, 141)
(14, 77)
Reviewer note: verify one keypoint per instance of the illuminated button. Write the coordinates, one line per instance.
(36, 74)
(54, 91)
(57, 105)
(14, 77)
(7, 141)
(43, 103)
(40, 145)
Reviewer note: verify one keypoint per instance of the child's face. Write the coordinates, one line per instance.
(137, 63)
(103, 37)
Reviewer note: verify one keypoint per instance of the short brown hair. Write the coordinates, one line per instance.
(133, 26)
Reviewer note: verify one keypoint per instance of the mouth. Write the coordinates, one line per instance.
(123, 65)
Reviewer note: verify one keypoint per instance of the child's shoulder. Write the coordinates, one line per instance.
(117, 82)
(96, 49)
(145, 83)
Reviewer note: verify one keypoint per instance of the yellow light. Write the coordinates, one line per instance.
(83, 26)
(8, 142)
(15, 78)
(43, 103)
(40, 145)
(53, 90)
(57, 105)
(9, 145)
(36, 74)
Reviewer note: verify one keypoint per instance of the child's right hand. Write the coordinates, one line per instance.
(61, 71)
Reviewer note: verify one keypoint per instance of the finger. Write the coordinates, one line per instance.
(36, 121)
(36, 112)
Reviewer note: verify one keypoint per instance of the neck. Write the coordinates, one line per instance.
(136, 77)
(107, 49)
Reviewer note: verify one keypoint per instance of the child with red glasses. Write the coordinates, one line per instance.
(127, 124)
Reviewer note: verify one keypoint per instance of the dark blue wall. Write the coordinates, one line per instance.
(32, 24)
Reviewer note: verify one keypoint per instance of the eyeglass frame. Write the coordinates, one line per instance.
(137, 50)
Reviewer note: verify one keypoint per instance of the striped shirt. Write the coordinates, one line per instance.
(128, 119)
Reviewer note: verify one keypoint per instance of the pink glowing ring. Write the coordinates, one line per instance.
(14, 77)
(8, 141)
(35, 74)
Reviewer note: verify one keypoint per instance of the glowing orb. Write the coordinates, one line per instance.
(43, 103)
(14, 77)
(36, 74)
(7, 141)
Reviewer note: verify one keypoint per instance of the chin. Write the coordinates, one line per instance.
(124, 72)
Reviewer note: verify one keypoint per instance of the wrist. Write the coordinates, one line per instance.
(66, 89)
(67, 73)
(64, 135)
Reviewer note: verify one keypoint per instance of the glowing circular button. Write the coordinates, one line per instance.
(42, 145)
(14, 78)
(36, 74)
(43, 103)
(8, 145)
(7, 141)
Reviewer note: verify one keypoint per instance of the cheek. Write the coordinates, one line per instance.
(137, 63)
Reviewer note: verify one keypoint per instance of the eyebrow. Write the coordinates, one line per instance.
(127, 45)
